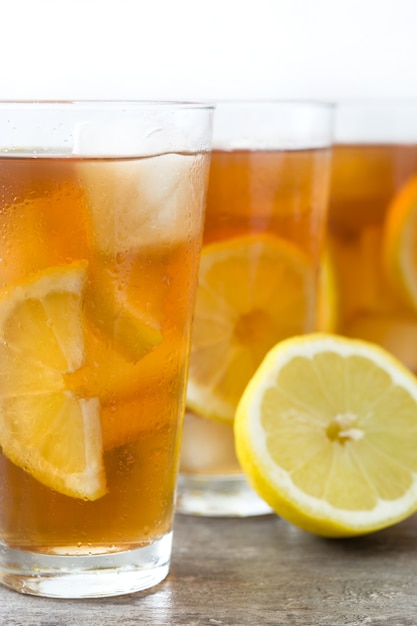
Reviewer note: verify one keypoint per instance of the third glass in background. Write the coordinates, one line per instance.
(263, 235)
(371, 264)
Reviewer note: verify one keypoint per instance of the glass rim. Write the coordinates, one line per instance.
(107, 104)
(272, 124)
(376, 121)
(383, 103)
(103, 128)
(295, 102)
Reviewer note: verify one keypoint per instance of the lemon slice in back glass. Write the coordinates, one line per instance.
(253, 291)
(326, 432)
(400, 242)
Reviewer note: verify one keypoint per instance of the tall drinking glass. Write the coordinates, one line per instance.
(263, 235)
(101, 214)
(371, 251)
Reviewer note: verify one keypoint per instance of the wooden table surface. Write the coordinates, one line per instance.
(251, 572)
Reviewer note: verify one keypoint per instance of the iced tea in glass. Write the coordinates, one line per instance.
(370, 255)
(262, 244)
(101, 220)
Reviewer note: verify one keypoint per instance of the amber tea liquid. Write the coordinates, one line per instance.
(365, 180)
(57, 211)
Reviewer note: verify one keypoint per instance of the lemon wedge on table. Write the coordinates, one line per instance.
(253, 291)
(326, 432)
(400, 242)
(45, 429)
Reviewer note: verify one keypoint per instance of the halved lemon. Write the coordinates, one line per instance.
(326, 432)
(400, 242)
(253, 291)
(45, 429)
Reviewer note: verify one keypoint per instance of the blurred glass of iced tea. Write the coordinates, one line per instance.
(371, 261)
(262, 245)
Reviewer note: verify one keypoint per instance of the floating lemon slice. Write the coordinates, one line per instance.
(111, 312)
(400, 242)
(44, 429)
(253, 291)
(326, 433)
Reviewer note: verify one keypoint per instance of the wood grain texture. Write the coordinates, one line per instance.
(240, 572)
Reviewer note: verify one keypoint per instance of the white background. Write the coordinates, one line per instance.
(208, 49)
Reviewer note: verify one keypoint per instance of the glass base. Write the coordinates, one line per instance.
(219, 496)
(91, 576)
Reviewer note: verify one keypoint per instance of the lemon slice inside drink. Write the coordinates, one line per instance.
(253, 291)
(326, 432)
(110, 311)
(400, 242)
(45, 429)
